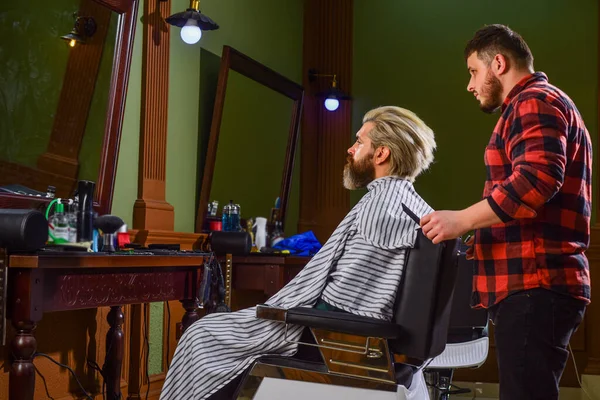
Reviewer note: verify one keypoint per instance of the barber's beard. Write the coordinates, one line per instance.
(492, 90)
(358, 174)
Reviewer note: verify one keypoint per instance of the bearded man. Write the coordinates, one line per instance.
(358, 269)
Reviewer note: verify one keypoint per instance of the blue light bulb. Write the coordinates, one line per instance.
(332, 104)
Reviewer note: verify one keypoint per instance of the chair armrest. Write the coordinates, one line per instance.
(331, 320)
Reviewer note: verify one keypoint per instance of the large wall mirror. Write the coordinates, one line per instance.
(253, 136)
(61, 107)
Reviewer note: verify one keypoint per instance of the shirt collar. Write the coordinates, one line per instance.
(383, 180)
(522, 84)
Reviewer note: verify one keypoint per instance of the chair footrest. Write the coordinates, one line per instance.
(462, 355)
(331, 320)
(294, 363)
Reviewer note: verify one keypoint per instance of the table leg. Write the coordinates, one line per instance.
(114, 353)
(191, 314)
(22, 372)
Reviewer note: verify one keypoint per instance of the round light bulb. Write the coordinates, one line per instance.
(72, 43)
(332, 104)
(191, 32)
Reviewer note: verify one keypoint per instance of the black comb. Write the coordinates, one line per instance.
(411, 214)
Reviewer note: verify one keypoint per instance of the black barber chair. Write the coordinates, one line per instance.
(468, 341)
(366, 353)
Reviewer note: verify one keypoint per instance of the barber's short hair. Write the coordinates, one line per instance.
(500, 39)
(410, 140)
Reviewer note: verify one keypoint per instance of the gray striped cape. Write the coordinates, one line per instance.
(363, 257)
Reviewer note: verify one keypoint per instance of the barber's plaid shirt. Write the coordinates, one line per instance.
(539, 182)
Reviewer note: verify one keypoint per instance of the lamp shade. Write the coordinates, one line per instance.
(73, 38)
(84, 28)
(180, 19)
(332, 93)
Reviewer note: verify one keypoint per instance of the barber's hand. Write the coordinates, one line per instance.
(469, 243)
(443, 225)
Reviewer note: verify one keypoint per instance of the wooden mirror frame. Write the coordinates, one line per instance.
(128, 9)
(232, 59)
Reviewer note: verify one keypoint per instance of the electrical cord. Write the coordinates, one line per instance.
(87, 395)
(93, 365)
(48, 214)
(45, 383)
(426, 364)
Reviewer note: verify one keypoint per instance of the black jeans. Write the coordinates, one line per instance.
(532, 331)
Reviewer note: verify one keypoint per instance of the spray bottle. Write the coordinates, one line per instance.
(261, 232)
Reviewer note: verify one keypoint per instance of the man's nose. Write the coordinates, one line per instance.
(470, 86)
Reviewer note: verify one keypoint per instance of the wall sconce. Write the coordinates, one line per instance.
(84, 28)
(192, 22)
(333, 95)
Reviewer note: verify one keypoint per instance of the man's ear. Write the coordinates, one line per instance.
(382, 154)
(500, 64)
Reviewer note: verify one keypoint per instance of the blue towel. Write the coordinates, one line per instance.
(302, 244)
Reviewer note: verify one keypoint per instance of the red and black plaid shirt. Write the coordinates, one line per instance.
(539, 182)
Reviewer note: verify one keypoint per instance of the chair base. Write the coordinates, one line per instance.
(440, 384)
(304, 373)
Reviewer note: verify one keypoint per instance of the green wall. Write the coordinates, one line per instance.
(413, 57)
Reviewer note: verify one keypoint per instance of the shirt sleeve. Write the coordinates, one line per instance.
(535, 142)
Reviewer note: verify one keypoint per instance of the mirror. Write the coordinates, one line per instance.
(252, 143)
(61, 107)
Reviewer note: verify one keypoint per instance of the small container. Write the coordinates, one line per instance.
(213, 208)
(231, 217)
(216, 225)
(123, 238)
(277, 234)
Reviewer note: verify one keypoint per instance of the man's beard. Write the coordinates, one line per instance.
(492, 89)
(358, 174)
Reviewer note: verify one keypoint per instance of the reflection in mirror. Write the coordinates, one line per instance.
(53, 97)
(252, 146)
(250, 153)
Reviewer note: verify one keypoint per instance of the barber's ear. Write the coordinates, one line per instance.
(500, 64)
(381, 155)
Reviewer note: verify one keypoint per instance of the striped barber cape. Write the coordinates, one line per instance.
(358, 270)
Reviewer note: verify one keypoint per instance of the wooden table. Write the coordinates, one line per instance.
(264, 275)
(47, 283)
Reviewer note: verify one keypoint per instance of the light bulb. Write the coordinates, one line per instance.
(332, 104)
(191, 32)
(72, 43)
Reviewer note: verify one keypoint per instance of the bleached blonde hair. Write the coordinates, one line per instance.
(410, 141)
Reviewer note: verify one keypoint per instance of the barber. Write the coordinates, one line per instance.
(533, 224)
